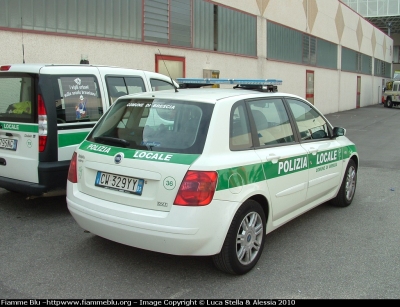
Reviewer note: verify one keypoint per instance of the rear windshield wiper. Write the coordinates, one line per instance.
(110, 141)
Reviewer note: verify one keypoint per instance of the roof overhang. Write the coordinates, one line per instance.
(387, 24)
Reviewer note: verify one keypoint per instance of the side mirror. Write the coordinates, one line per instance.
(338, 131)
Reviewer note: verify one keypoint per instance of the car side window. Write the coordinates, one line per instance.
(121, 85)
(240, 136)
(271, 121)
(310, 123)
(160, 85)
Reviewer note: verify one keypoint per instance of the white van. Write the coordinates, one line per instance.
(46, 110)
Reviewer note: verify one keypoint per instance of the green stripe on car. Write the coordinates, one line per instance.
(234, 176)
(69, 139)
(156, 156)
(32, 128)
(243, 175)
(239, 176)
(348, 151)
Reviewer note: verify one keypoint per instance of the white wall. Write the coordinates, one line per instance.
(334, 90)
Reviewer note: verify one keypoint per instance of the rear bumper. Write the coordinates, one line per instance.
(23, 187)
(196, 231)
(52, 180)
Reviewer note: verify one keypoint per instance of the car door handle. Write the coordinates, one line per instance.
(313, 150)
(273, 158)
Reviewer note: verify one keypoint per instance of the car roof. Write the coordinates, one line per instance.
(37, 68)
(209, 95)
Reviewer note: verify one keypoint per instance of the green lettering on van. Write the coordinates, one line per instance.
(32, 128)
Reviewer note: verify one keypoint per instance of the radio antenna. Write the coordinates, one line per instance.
(176, 89)
(23, 49)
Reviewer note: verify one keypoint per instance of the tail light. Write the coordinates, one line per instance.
(197, 189)
(42, 117)
(5, 68)
(72, 170)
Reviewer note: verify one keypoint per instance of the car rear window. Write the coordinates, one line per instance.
(17, 98)
(155, 124)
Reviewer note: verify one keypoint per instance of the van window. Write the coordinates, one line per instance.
(77, 99)
(120, 86)
(160, 85)
(17, 99)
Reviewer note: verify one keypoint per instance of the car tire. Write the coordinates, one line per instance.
(389, 103)
(348, 187)
(244, 242)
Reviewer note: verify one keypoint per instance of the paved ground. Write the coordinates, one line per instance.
(328, 253)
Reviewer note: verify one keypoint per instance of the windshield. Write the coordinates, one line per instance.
(155, 124)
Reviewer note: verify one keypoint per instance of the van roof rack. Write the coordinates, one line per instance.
(263, 85)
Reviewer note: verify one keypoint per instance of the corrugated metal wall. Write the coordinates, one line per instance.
(242, 29)
(103, 18)
(156, 23)
(289, 45)
(203, 25)
(349, 60)
(327, 54)
(181, 23)
(366, 64)
(284, 44)
(357, 62)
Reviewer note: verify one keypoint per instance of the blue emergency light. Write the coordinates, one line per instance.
(269, 85)
(210, 81)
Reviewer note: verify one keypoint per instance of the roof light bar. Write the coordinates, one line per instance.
(210, 81)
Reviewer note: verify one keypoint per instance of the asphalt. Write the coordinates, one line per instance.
(374, 131)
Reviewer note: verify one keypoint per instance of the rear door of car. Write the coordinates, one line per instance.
(140, 151)
(19, 139)
(285, 162)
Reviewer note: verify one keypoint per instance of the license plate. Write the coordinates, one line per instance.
(119, 183)
(8, 144)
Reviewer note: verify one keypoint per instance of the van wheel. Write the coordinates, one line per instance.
(389, 103)
(244, 242)
(348, 187)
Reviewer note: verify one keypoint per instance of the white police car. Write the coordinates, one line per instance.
(208, 171)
